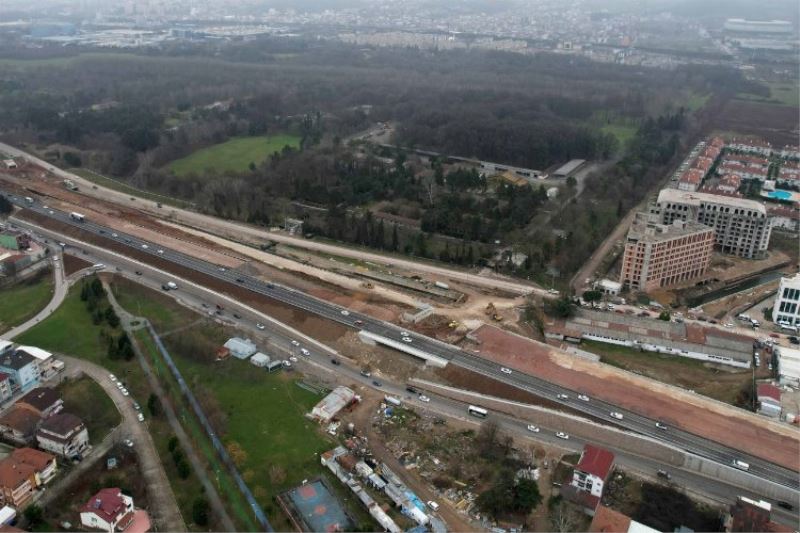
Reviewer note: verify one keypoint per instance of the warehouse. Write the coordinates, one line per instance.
(568, 168)
(259, 359)
(241, 348)
(331, 404)
(788, 366)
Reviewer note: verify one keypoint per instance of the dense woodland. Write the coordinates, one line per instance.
(129, 115)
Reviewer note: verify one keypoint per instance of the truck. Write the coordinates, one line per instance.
(392, 400)
(441, 285)
(170, 286)
(77, 216)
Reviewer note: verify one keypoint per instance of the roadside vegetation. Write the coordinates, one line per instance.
(21, 301)
(86, 399)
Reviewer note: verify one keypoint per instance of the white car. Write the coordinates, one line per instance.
(145, 247)
(160, 251)
(562, 435)
(260, 326)
(615, 414)
(293, 359)
(345, 312)
(659, 425)
(305, 352)
(562, 397)
(424, 398)
(112, 377)
(125, 392)
(611, 307)
(404, 334)
(114, 235)
(140, 417)
(433, 505)
(128, 443)
(295, 343)
(533, 429)
(583, 397)
(505, 370)
(407, 339)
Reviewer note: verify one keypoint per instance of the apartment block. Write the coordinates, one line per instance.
(741, 226)
(786, 310)
(662, 255)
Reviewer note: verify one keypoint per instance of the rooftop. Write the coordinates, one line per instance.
(595, 461)
(35, 458)
(14, 474)
(107, 504)
(61, 424)
(40, 398)
(16, 360)
(696, 198)
(20, 420)
(647, 230)
(607, 520)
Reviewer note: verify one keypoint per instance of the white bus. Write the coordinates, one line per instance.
(479, 412)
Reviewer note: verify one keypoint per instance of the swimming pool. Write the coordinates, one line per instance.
(780, 194)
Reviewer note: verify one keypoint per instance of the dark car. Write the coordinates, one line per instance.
(664, 474)
(411, 389)
(239, 280)
(335, 362)
(786, 505)
(377, 383)
(138, 272)
(794, 340)
(237, 315)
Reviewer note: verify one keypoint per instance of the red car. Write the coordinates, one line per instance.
(774, 335)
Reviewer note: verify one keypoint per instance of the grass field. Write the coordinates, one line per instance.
(681, 371)
(785, 94)
(123, 187)
(622, 132)
(696, 100)
(20, 302)
(86, 399)
(162, 311)
(234, 155)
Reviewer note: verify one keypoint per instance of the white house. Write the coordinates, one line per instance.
(108, 510)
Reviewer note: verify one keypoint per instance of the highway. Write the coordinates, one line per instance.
(632, 421)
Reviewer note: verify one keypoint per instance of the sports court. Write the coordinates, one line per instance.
(316, 508)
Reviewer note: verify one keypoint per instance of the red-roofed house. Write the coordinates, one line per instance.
(730, 183)
(108, 510)
(589, 477)
(690, 180)
(751, 515)
(769, 400)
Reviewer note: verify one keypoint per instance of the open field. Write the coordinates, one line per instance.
(234, 155)
(20, 302)
(87, 400)
(162, 311)
(123, 187)
(783, 94)
(622, 132)
(774, 123)
(696, 101)
(681, 371)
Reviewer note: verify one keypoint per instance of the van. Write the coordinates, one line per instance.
(741, 465)
(433, 505)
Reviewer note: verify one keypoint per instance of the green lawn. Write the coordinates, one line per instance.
(162, 311)
(786, 94)
(121, 186)
(86, 399)
(696, 100)
(622, 132)
(234, 155)
(22, 301)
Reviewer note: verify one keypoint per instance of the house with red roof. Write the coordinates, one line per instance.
(589, 477)
(108, 510)
(769, 400)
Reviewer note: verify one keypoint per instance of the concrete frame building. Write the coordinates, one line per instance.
(786, 309)
(658, 255)
(742, 226)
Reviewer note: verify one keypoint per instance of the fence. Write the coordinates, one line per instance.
(223, 453)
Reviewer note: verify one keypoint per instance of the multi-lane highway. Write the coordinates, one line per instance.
(632, 421)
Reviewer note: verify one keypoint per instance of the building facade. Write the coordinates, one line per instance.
(658, 255)
(741, 226)
(786, 309)
(63, 434)
(22, 370)
(108, 510)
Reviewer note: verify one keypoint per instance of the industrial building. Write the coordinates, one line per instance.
(741, 226)
(786, 310)
(684, 340)
(241, 348)
(659, 255)
(568, 168)
(260, 360)
(788, 366)
(331, 404)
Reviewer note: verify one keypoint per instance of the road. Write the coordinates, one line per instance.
(280, 339)
(632, 421)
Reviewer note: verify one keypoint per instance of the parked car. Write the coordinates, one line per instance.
(128, 443)
(377, 383)
(260, 326)
(140, 417)
(335, 362)
(660, 425)
(664, 474)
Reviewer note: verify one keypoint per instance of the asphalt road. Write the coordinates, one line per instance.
(632, 421)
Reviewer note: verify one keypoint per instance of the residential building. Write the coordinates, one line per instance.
(259, 359)
(751, 146)
(786, 309)
(48, 365)
(608, 287)
(108, 510)
(241, 348)
(43, 463)
(19, 424)
(750, 515)
(607, 520)
(331, 404)
(21, 368)
(769, 400)
(741, 226)
(788, 360)
(12, 263)
(785, 218)
(43, 401)
(659, 255)
(13, 240)
(63, 434)
(589, 477)
(17, 483)
(5, 387)
(730, 183)
(691, 179)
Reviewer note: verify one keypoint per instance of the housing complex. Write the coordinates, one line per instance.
(659, 255)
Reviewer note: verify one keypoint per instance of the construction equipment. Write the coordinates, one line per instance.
(491, 310)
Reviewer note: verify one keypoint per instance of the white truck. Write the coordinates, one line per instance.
(77, 216)
(441, 285)
(392, 400)
(170, 286)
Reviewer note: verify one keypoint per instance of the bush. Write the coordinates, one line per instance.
(34, 515)
(200, 508)
(172, 443)
(72, 159)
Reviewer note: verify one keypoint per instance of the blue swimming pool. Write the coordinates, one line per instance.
(780, 194)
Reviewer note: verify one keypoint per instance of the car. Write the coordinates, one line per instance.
(661, 425)
(237, 315)
(140, 417)
(293, 359)
(533, 429)
(562, 397)
(102, 231)
(728, 325)
(335, 362)
(128, 443)
(664, 474)
(120, 386)
(160, 251)
(774, 335)
(505, 370)
(205, 305)
(345, 312)
(114, 235)
(125, 392)
(424, 398)
(239, 280)
(305, 352)
(562, 435)
(377, 383)
(137, 406)
(611, 307)
(583, 397)
(412, 390)
(433, 505)
(794, 340)
(261, 326)
(404, 333)
(62, 244)
(127, 240)
(112, 377)
(51, 212)
(615, 414)
(145, 247)
(221, 269)
(366, 373)
(785, 505)
(295, 343)
(138, 272)
(407, 339)
(359, 322)
(219, 307)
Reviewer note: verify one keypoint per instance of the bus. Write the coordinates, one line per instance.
(479, 412)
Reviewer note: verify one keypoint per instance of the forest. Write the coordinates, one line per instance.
(129, 115)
